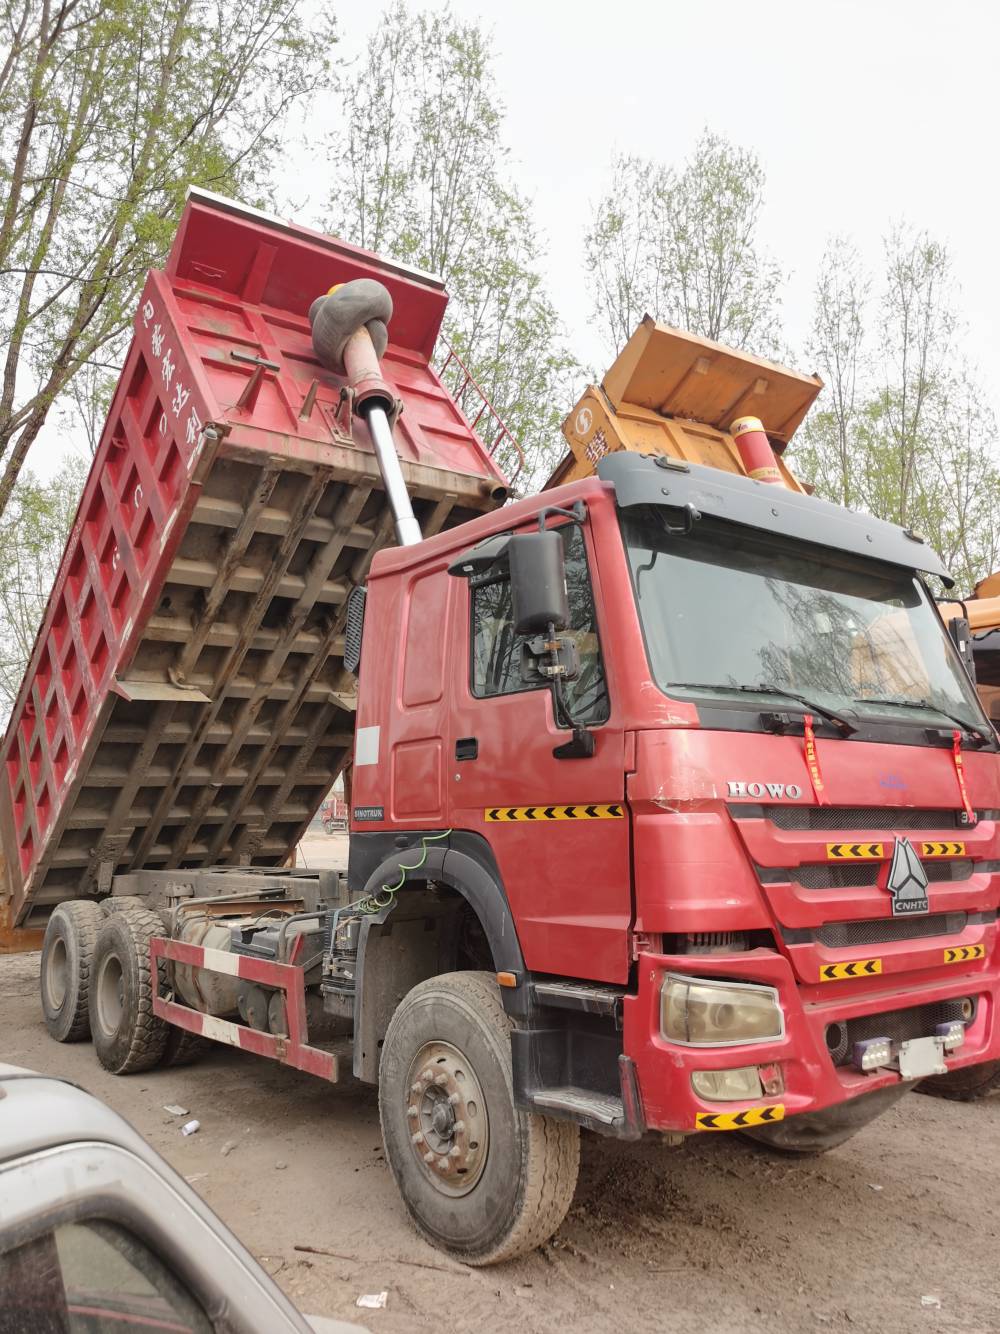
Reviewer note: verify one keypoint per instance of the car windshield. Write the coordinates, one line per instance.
(726, 609)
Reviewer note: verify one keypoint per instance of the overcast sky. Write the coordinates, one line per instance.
(861, 111)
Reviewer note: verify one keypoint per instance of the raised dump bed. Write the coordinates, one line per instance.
(186, 702)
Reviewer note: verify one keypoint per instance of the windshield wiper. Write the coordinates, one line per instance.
(969, 728)
(843, 724)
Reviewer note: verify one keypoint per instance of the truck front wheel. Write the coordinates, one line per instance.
(127, 1035)
(817, 1132)
(483, 1180)
(965, 1085)
(67, 959)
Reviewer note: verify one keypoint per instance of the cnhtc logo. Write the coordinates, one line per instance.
(907, 882)
(757, 790)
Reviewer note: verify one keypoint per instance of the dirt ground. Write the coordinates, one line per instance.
(898, 1230)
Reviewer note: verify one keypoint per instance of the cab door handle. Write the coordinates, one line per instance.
(467, 748)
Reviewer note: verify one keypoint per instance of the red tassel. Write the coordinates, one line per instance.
(812, 761)
(956, 755)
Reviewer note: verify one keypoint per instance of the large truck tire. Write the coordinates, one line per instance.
(966, 1085)
(67, 959)
(812, 1133)
(127, 1035)
(183, 1048)
(482, 1179)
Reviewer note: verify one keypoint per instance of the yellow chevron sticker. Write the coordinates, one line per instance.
(942, 849)
(749, 1116)
(833, 972)
(854, 852)
(527, 814)
(963, 953)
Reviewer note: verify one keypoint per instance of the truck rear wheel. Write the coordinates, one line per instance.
(812, 1133)
(483, 1179)
(127, 1035)
(67, 957)
(974, 1081)
(183, 1048)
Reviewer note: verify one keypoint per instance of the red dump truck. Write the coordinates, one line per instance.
(673, 809)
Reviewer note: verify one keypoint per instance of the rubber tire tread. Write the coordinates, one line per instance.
(551, 1160)
(812, 1133)
(129, 930)
(183, 1047)
(966, 1085)
(119, 902)
(82, 919)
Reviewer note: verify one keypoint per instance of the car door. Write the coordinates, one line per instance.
(558, 827)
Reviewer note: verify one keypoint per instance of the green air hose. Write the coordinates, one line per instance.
(375, 902)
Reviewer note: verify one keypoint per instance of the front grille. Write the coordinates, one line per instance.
(826, 876)
(897, 1025)
(859, 817)
(835, 877)
(884, 930)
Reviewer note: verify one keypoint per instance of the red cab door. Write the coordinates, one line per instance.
(558, 828)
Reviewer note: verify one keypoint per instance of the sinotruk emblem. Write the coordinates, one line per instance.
(907, 881)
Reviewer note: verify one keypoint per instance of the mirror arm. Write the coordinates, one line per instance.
(583, 745)
(577, 514)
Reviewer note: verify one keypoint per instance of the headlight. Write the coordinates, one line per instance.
(716, 1014)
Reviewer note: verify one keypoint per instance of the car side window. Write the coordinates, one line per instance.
(93, 1277)
(496, 649)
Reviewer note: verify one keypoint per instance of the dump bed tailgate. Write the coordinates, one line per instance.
(186, 702)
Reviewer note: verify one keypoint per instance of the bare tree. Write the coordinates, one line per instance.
(108, 109)
(682, 245)
(31, 547)
(426, 179)
(917, 329)
(903, 430)
(837, 351)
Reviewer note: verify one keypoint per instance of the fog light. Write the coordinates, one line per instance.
(727, 1085)
(872, 1053)
(952, 1034)
(699, 1013)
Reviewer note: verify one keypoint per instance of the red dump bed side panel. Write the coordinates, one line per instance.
(186, 702)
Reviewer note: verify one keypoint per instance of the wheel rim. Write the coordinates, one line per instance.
(110, 994)
(447, 1118)
(57, 974)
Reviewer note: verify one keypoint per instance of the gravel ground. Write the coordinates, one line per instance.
(895, 1231)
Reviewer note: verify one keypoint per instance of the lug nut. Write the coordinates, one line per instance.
(428, 1157)
(418, 1138)
(458, 1128)
(441, 1079)
(454, 1099)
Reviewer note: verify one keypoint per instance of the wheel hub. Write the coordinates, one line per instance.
(448, 1122)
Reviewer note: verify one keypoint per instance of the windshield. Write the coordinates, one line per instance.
(726, 609)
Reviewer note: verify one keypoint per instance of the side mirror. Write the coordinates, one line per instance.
(538, 582)
(961, 636)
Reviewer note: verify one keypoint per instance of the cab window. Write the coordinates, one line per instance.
(496, 649)
(93, 1277)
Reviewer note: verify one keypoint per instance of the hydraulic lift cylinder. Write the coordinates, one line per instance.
(349, 333)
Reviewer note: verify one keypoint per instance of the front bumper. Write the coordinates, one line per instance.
(811, 1079)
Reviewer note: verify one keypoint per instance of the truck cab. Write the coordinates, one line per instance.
(766, 885)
